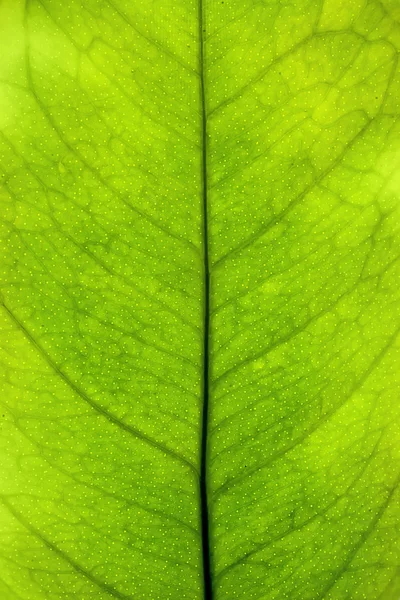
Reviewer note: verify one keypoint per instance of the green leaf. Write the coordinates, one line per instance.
(200, 300)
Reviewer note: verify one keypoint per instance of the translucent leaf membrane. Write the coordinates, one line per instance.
(102, 299)
(102, 331)
(305, 138)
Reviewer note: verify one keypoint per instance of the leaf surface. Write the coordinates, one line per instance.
(200, 300)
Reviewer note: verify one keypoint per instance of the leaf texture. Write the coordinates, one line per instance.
(200, 300)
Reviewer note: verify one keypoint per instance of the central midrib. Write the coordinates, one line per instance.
(205, 534)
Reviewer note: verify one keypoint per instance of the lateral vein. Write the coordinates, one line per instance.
(97, 407)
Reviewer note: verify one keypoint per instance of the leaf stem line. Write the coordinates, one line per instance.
(205, 530)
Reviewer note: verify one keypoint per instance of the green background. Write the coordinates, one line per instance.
(102, 299)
